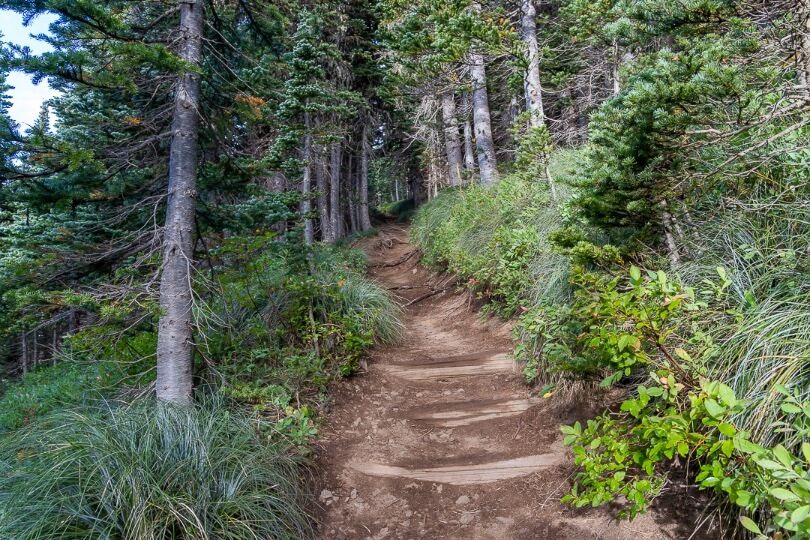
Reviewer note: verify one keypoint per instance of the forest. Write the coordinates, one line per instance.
(203, 250)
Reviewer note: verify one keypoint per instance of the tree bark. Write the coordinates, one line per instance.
(365, 219)
(669, 237)
(323, 197)
(531, 82)
(336, 160)
(175, 346)
(469, 153)
(804, 52)
(487, 161)
(451, 140)
(306, 183)
(351, 194)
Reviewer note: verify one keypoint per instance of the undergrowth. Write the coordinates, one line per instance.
(147, 471)
(712, 355)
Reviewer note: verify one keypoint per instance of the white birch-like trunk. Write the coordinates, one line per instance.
(469, 149)
(531, 83)
(487, 161)
(175, 345)
(451, 140)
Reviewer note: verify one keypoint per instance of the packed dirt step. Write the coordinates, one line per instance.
(440, 438)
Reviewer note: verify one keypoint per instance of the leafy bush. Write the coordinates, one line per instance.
(654, 326)
(148, 471)
(497, 240)
(283, 320)
(402, 210)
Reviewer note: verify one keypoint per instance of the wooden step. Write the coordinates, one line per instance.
(485, 363)
(464, 413)
(459, 475)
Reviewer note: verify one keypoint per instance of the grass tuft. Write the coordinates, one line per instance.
(148, 471)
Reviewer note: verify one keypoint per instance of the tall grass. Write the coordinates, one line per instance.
(765, 248)
(148, 471)
(498, 240)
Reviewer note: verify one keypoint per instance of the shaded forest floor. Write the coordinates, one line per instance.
(439, 437)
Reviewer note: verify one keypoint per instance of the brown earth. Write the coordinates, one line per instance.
(440, 438)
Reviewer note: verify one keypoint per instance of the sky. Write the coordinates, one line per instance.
(26, 97)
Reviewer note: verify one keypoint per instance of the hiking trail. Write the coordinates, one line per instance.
(440, 438)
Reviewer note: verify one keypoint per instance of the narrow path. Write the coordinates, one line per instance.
(440, 438)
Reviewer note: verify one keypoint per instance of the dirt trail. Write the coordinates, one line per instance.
(439, 437)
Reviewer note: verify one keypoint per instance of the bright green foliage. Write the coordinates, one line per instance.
(147, 471)
(654, 326)
(494, 240)
(49, 388)
(626, 455)
(499, 239)
(282, 323)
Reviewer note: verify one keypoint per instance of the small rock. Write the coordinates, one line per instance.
(461, 501)
(467, 518)
(382, 534)
(439, 488)
(408, 513)
(354, 493)
(326, 494)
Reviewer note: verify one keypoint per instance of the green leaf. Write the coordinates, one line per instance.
(784, 457)
(714, 408)
(726, 429)
(683, 355)
(744, 498)
(790, 408)
(635, 274)
(726, 394)
(806, 451)
(784, 494)
(800, 514)
(769, 464)
(749, 524)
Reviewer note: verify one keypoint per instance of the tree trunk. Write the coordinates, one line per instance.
(175, 347)
(306, 184)
(469, 153)
(451, 141)
(323, 197)
(365, 219)
(336, 161)
(351, 194)
(804, 51)
(487, 162)
(24, 353)
(669, 237)
(531, 83)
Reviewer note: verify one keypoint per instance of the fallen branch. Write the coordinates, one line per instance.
(397, 262)
(425, 296)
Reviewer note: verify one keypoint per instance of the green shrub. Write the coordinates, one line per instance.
(148, 471)
(284, 320)
(496, 239)
(652, 329)
(402, 210)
